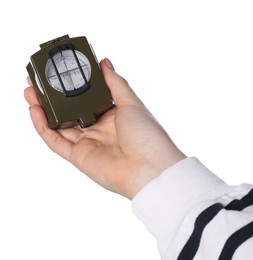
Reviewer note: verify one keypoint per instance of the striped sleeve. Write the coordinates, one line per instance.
(195, 215)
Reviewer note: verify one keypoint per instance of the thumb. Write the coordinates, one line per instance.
(121, 92)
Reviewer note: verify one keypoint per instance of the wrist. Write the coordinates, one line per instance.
(152, 169)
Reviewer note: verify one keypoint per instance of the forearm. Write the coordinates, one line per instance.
(185, 208)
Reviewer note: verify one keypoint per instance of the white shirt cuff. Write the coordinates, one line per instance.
(163, 203)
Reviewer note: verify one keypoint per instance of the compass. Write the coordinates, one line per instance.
(68, 82)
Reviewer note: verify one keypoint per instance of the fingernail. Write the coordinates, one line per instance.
(109, 64)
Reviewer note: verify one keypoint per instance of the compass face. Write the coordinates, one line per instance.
(68, 76)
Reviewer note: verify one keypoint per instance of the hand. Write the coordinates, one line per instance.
(123, 151)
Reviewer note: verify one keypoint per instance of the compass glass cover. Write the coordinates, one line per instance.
(68, 69)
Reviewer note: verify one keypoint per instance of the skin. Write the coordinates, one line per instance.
(123, 151)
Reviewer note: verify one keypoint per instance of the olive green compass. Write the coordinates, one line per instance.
(68, 82)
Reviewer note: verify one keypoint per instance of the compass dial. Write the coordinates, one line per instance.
(68, 70)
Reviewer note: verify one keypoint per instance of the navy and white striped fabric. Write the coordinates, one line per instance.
(195, 215)
(233, 242)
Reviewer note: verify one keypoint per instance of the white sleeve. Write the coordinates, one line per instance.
(195, 215)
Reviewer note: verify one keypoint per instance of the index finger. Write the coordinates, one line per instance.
(30, 96)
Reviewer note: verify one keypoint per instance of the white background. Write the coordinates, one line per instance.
(191, 62)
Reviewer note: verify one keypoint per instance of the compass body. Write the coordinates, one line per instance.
(68, 82)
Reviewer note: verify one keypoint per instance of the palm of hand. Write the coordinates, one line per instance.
(115, 150)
